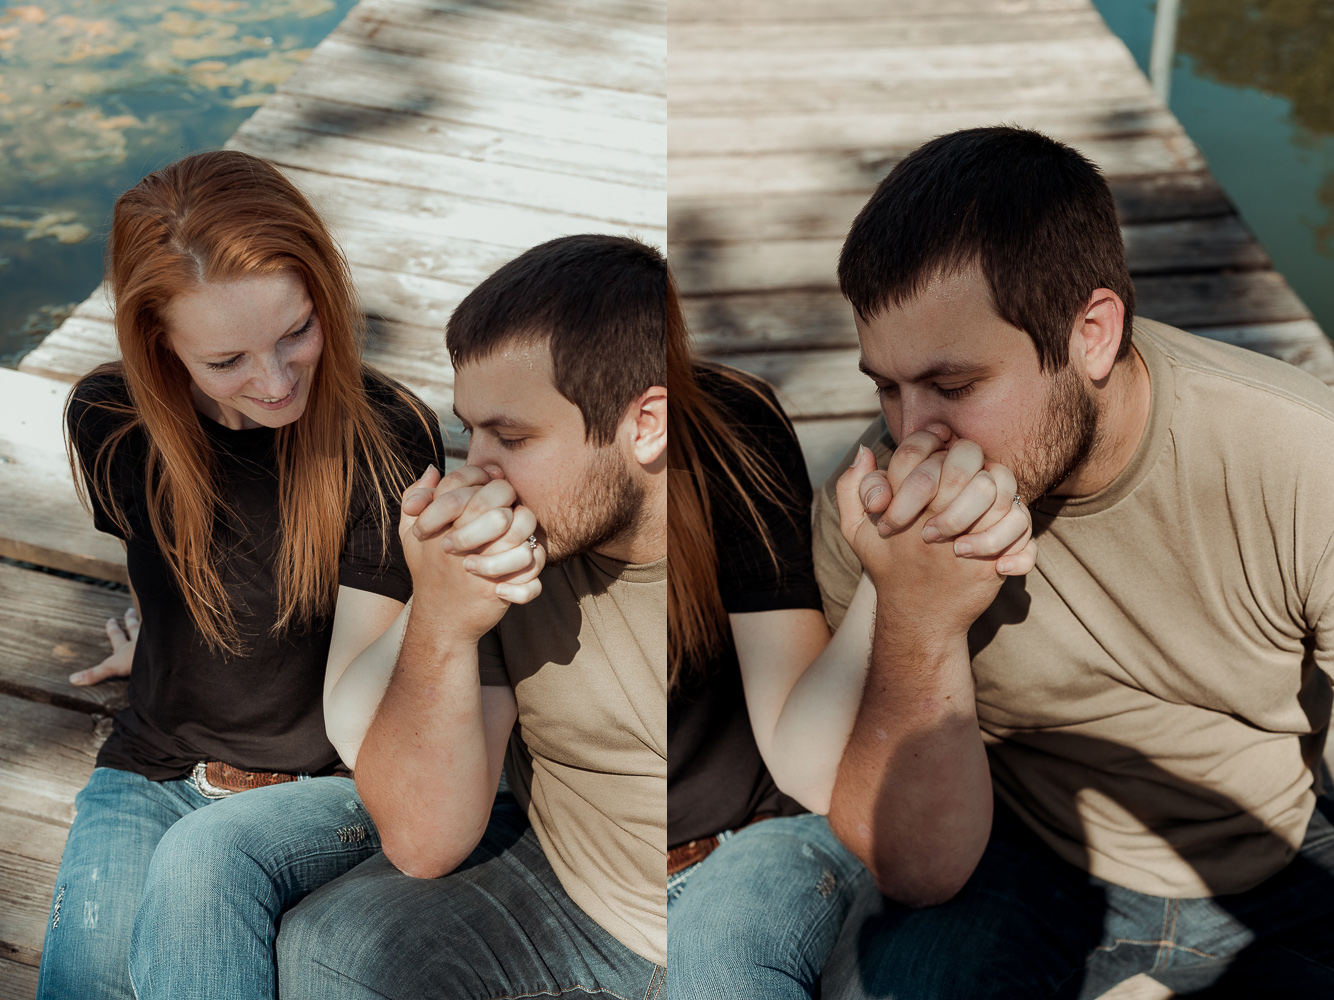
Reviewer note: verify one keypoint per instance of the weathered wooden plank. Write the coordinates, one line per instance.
(825, 442)
(29, 861)
(996, 91)
(882, 57)
(814, 384)
(877, 22)
(578, 54)
(46, 756)
(426, 133)
(1201, 300)
(388, 80)
(800, 12)
(61, 629)
(756, 135)
(602, 203)
(861, 170)
(18, 981)
(41, 519)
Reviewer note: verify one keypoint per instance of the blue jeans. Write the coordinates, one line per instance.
(1028, 924)
(183, 899)
(499, 925)
(758, 917)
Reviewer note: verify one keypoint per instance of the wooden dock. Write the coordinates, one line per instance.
(442, 138)
(439, 139)
(783, 115)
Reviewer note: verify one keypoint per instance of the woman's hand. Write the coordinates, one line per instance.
(123, 638)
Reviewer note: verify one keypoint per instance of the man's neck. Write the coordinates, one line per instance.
(646, 540)
(1125, 402)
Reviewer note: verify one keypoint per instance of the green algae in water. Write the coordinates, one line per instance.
(94, 94)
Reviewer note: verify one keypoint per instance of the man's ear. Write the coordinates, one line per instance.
(647, 417)
(1096, 336)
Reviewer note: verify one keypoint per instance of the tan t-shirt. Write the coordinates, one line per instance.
(588, 663)
(1154, 695)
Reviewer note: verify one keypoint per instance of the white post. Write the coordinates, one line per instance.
(1164, 48)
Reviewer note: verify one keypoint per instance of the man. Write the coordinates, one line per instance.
(1107, 766)
(559, 377)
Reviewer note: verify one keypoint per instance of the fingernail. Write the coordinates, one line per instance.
(872, 495)
(429, 469)
(76, 677)
(963, 548)
(884, 529)
(503, 591)
(470, 565)
(858, 457)
(447, 544)
(1004, 566)
(930, 533)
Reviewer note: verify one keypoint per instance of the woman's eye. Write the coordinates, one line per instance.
(221, 366)
(305, 329)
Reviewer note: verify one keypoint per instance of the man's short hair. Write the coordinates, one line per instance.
(599, 302)
(1032, 213)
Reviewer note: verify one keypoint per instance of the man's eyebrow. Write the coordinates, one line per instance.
(940, 369)
(490, 423)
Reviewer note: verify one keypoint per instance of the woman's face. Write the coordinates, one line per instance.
(251, 347)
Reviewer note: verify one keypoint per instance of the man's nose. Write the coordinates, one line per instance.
(919, 415)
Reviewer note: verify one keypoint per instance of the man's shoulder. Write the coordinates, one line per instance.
(1235, 384)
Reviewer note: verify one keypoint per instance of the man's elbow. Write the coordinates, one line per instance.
(919, 890)
(417, 860)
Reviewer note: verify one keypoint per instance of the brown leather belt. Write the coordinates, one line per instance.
(216, 780)
(682, 857)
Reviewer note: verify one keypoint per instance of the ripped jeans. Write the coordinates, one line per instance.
(757, 918)
(181, 893)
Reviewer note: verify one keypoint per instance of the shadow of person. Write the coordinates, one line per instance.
(1031, 922)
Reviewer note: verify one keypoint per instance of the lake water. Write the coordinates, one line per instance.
(96, 93)
(1253, 85)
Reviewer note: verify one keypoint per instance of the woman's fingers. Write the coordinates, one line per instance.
(968, 506)
(1015, 527)
(1021, 562)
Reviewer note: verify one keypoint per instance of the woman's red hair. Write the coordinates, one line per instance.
(213, 218)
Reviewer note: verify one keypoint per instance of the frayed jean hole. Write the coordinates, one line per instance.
(828, 882)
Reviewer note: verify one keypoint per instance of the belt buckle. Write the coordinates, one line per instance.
(205, 787)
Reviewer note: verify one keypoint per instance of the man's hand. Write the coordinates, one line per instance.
(124, 637)
(940, 493)
(467, 546)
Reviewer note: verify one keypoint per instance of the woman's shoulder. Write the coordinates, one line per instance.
(99, 403)
(740, 395)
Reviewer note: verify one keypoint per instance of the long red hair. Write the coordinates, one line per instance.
(697, 430)
(218, 217)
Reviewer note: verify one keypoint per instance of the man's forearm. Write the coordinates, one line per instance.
(913, 794)
(423, 769)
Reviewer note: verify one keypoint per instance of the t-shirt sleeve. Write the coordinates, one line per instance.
(491, 661)
(372, 555)
(89, 424)
(837, 568)
(750, 578)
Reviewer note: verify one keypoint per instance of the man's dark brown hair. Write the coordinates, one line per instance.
(1032, 213)
(599, 302)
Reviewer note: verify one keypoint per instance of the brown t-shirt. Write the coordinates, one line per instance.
(1155, 694)
(588, 663)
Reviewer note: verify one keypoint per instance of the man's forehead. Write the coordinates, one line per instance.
(511, 388)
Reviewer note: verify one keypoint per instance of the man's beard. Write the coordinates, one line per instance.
(610, 505)
(1065, 435)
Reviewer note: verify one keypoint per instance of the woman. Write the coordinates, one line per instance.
(246, 456)
(761, 700)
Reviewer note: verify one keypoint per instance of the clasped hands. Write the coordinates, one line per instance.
(937, 531)
(466, 541)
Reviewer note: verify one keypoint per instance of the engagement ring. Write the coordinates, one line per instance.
(532, 541)
(1017, 500)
